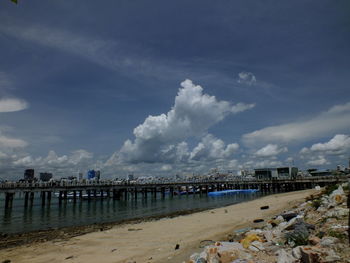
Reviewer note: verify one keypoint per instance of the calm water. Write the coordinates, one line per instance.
(24, 219)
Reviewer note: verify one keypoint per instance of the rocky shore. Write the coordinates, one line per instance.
(316, 231)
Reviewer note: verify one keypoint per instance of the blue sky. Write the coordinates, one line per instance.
(166, 87)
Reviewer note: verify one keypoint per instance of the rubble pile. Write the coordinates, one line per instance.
(314, 232)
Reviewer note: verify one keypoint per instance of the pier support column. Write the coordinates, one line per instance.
(95, 194)
(31, 198)
(163, 192)
(135, 193)
(101, 195)
(74, 196)
(154, 192)
(171, 189)
(126, 194)
(49, 197)
(26, 197)
(9, 200)
(43, 198)
(89, 194)
(81, 194)
(65, 196)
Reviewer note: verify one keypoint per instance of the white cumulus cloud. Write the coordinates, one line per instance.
(191, 116)
(213, 148)
(12, 104)
(318, 160)
(339, 144)
(270, 150)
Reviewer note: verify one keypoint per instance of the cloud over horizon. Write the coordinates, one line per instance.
(162, 138)
(333, 120)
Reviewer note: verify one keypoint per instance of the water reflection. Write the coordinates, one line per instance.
(56, 214)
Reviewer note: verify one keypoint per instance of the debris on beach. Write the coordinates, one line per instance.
(316, 231)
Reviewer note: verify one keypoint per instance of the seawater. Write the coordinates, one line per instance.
(20, 219)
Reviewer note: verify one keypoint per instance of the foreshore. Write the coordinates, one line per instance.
(156, 240)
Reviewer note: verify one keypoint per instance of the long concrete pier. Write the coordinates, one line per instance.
(92, 190)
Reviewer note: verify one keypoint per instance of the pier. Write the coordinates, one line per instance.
(92, 190)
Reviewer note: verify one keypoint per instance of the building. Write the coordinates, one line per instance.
(276, 173)
(91, 174)
(130, 177)
(98, 175)
(45, 177)
(29, 175)
(80, 176)
(321, 173)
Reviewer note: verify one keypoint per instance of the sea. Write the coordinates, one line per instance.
(21, 219)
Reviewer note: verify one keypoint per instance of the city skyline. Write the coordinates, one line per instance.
(167, 88)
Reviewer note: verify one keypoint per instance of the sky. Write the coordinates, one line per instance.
(173, 87)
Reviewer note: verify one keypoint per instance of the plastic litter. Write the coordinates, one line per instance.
(249, 239)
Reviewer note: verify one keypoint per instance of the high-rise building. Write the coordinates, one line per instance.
(29, 175)
(45, 177)
(98, 175)
(80, 176)
(91, 174)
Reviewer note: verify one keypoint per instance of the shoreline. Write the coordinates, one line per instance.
(148, 240)
(10, 240)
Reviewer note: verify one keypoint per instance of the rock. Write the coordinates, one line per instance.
(201, 260)
(268, 236)
(242, 230)
(337, 212)
(258, 245)
(284, 257)
(308, 255)
(212, 256)
(299, 236)
(322, 209)
(203, 255)
(253, 248)
(230, 246)
(289, 216)
(296, 252)
(314, 240)
(280, 218)
(227, 256)
(328, 241)
(331, 256)
(195, 257)
(205, 243)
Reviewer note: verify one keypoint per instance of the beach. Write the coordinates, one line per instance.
(156, 240)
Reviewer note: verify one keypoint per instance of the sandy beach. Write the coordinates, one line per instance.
(155, 241)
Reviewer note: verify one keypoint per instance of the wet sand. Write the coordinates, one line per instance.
(154, 241)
